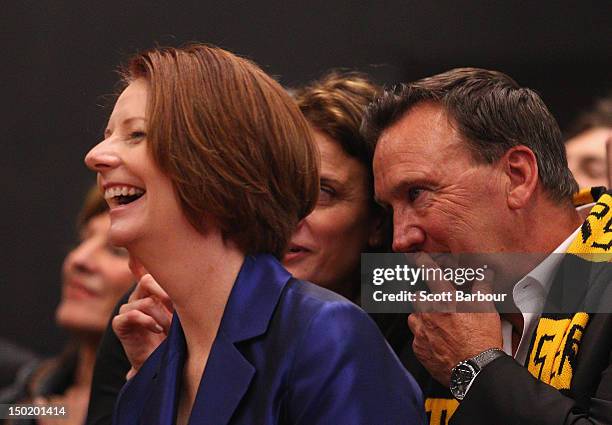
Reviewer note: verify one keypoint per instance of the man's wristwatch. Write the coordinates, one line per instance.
(466, 371)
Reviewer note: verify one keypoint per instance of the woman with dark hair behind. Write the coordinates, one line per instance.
(327, 245)
(347, 221)
(208, 166)
(95, 275)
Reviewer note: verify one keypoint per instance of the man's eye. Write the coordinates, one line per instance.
(414, 193)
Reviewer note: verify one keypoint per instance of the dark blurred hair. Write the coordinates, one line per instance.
(93, 205)
(335, 104)
(600, 115)
(492, 112)
(232, 141)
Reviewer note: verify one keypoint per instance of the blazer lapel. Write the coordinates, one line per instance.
(225, 381)
(228, 373)
(161, 403)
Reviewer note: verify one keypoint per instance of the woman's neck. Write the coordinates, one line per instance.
(198, 272)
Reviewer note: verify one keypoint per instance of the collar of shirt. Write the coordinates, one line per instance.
(529, 295)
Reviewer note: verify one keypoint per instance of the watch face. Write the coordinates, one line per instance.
(461, 377)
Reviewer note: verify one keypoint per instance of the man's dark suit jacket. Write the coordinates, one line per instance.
(505, 392)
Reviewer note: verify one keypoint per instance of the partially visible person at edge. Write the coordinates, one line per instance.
(94, 276)
(586, 145)
(470, 162)
(327, 245)
(16, 366)
(225, 161)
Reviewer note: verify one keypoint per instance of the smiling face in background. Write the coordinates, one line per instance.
(95, 275)
(141, 198)
(327, 245)
(442, 201)
(586, 157)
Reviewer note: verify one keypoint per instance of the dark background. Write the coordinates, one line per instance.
(59, 58)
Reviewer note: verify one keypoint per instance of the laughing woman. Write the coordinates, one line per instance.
(207, 166)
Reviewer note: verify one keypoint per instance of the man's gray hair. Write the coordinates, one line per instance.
(492, 113)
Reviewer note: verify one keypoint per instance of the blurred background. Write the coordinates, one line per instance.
(58, 72)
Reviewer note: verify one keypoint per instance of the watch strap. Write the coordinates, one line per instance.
(476, 363)
(486, 357)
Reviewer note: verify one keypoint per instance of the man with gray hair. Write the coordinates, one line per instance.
(470, 162)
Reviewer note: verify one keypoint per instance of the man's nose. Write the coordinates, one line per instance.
(407, 237)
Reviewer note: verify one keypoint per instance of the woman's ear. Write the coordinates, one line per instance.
(521, 169)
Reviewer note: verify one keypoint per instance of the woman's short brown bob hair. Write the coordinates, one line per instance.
(232, 141)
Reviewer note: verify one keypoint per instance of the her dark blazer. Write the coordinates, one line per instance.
(287, 352)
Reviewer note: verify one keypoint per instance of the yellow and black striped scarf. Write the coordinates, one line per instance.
(556, 340)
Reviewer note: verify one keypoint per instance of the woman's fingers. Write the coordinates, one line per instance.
(147, 287)
(131, 321)
(152, 307)
(143, 323)
(139, 333)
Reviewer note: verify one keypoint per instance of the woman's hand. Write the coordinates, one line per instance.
(143, 323)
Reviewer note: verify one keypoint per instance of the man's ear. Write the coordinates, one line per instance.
(521, 168)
